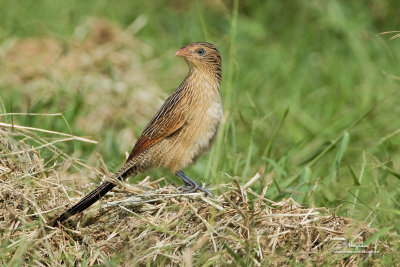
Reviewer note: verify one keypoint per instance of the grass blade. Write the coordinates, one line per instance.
(353, 175)
(234, 255)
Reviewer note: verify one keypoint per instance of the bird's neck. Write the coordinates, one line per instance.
(204, 79)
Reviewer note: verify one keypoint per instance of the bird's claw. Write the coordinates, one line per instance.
(191, 188)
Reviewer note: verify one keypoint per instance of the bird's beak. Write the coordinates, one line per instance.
(183, 52)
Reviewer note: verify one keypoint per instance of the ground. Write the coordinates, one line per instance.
(151, 224)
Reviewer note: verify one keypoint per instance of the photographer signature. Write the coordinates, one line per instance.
(348, 247)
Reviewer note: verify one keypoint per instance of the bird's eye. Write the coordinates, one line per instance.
(200, 51)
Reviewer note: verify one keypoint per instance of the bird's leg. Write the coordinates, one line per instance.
(191, 185)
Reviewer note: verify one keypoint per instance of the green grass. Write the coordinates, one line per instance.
(310, 91)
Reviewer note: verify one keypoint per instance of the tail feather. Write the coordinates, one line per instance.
(89, 199)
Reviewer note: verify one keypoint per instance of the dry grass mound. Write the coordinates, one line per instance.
(149, 224)
(103, 68)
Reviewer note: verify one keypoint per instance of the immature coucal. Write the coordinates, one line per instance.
(183, 128)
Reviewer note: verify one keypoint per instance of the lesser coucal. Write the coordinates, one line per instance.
(182, 129)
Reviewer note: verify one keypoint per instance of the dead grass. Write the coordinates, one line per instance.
(148, 224)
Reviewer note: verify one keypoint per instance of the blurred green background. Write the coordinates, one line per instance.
(310, 91)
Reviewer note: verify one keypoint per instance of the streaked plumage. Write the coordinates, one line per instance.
(182, 129)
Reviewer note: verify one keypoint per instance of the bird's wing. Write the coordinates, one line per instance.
(169, 119)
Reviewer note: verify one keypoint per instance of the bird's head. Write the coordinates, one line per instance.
(202, 56)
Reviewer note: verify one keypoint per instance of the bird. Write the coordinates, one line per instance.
(181, 130)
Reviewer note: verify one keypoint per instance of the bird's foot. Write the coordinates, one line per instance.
(192, 189)
(191, 186)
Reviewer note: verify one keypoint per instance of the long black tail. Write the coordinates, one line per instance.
(86, 201)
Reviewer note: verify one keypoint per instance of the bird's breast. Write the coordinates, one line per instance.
(206, 127)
